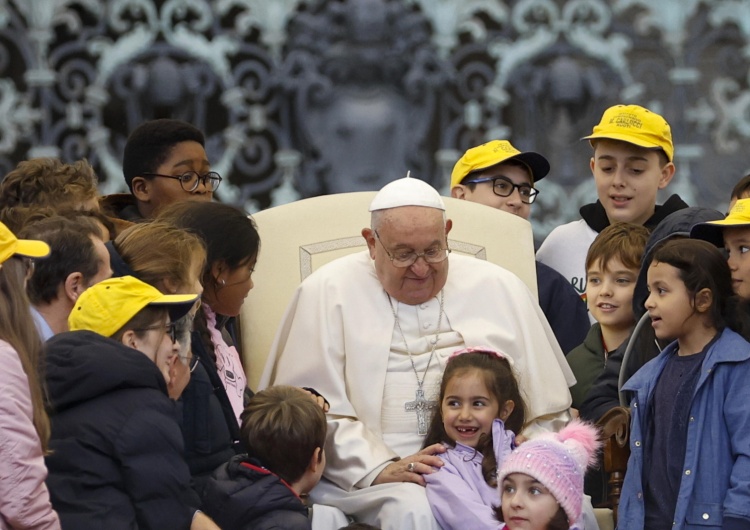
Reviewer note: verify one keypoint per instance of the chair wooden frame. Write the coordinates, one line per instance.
(615, 434)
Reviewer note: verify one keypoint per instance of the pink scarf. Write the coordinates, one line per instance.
(228, 365)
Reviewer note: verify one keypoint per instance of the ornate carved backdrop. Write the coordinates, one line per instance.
(303, 97)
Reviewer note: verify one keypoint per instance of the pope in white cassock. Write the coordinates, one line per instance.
(372, 331)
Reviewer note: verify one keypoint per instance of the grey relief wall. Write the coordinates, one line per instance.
(305, 97)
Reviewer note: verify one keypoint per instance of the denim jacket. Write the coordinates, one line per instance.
(715, 482)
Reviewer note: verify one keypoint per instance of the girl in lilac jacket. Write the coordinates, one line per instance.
(480, 412)
(24, 425)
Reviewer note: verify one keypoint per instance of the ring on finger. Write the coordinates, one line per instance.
(410, 467)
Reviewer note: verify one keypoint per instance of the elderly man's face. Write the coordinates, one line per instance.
(409, 228)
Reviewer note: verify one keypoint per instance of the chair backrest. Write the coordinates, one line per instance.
(297, 238)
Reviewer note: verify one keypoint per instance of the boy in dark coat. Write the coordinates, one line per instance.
(284, 431)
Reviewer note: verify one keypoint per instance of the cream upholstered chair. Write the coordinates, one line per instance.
(299, 237)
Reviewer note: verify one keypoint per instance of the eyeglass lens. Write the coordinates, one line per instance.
(504, 187)
(190, 180)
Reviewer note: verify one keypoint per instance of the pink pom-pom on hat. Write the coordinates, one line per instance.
(559, 462)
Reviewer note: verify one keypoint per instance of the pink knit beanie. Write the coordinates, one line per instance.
(559, 462)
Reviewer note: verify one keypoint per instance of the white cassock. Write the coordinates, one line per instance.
(338, 335)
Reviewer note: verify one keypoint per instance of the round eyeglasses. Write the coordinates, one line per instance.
(503, 187)
(407, 258)
(190, 180)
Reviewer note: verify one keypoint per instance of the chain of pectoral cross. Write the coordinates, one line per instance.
(421, 405)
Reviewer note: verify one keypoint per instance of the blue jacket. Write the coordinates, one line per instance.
(715, 487)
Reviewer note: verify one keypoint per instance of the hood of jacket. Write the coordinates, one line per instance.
(242, 491)
(596, 217)
(675, 224)
(82, 365)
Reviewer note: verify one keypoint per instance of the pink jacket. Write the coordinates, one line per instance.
(24, 499)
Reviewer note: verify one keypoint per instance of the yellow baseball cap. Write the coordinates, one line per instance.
(635, 125)
(107, 306)
(10, 245)
(712, 231)
(493, 153)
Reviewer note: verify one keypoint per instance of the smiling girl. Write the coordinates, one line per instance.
(481, 411)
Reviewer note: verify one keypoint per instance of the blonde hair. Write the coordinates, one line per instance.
(161, 254)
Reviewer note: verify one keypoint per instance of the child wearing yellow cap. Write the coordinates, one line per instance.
(732, 234)
(117, 454)
(24, 425)
(632, 161)
(498, 175)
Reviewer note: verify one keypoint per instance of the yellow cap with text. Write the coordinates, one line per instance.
(635, 125)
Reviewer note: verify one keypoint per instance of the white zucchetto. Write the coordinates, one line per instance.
(407, 191)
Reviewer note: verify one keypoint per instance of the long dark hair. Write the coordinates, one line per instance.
(702, 266)
(501, 383)
(230, 237)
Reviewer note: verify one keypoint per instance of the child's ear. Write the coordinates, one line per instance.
(218, 268)
(458, 192)
(703, 300)
(316, 461)
(667, 172)
(130, 339)
(141, 189)
(506, 410)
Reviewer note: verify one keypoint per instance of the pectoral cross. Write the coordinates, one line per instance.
(421, 406)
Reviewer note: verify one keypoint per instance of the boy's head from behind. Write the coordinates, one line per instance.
(612, 265)
(498, 175)
(286, 430)
(632, 161)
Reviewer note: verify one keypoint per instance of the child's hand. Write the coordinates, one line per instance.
(520, 438)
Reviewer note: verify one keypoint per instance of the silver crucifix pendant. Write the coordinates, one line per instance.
(421, 406)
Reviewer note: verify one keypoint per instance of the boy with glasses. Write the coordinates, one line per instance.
(498, 175)
(164, 162)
